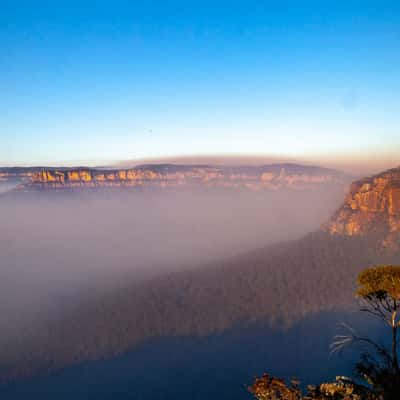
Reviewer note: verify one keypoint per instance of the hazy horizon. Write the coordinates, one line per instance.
(358, 166)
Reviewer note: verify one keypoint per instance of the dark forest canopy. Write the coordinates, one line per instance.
(280, 284)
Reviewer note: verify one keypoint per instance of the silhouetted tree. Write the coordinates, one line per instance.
(379, 292)
(379, 288)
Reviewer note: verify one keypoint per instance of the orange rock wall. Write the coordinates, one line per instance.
(371, 207)
(209, 176)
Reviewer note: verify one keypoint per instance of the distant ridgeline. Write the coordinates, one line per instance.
(372, 208)
(169, 175)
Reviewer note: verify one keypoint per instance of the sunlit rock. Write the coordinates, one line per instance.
(371, 208)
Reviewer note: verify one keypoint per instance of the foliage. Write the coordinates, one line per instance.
(384, 380)
(379, 288)
(382, 285)
(267, 387)
(379, 291)
(270, 388)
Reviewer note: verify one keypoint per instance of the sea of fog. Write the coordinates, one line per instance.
(57, 242)
(59, 248)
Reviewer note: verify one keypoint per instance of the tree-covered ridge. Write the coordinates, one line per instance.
(280, 284)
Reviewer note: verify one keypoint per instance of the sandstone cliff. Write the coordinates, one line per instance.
(371, 208)
(20, 174)
(273, 176)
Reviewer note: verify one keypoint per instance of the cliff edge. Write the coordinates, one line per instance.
(371, 208)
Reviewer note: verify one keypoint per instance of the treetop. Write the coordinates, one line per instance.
(380, 282)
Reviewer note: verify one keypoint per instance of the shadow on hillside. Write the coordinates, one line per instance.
(211, 367)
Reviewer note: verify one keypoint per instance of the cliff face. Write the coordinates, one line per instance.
(265, 177)
(16, 174)
(371, 208)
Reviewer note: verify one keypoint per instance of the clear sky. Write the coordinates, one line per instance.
(101, 81)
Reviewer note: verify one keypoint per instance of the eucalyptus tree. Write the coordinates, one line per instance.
(379, 293)
(379, 289)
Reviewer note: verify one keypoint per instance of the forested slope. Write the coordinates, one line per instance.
(280, 284)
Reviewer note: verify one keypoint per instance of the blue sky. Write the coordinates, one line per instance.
(101, 81)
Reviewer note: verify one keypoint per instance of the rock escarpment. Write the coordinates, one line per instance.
(18, 174)
(273, 176)
(371, 208)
